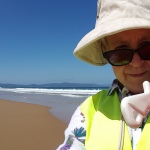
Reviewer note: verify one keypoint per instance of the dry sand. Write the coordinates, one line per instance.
(28, 127)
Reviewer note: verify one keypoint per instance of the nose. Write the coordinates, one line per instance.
(136, 61)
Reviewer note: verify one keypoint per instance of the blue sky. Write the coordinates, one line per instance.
(37, 39)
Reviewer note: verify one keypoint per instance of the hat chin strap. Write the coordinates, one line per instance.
(135, 108)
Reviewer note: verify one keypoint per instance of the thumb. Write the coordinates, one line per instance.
(146, 87)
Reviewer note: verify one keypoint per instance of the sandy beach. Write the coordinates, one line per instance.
(29, 127)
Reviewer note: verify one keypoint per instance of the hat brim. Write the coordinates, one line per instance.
(89, 49)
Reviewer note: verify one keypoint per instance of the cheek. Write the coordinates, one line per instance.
(119, 73)
(148, 62)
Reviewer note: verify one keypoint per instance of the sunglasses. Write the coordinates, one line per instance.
(122, 57)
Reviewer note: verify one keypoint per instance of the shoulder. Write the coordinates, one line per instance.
(93, 101)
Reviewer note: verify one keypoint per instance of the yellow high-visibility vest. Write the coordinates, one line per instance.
(105, 128)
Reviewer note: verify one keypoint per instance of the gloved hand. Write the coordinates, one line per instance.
(135, 108)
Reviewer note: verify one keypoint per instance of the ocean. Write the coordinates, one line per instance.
(62, 101)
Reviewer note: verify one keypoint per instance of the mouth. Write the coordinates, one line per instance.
(138, 75)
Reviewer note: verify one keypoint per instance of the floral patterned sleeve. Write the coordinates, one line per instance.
(75, 133)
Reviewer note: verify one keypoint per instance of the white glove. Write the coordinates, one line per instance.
(135, 108)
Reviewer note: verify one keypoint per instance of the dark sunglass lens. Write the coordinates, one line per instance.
(120, 57)
(144, 52)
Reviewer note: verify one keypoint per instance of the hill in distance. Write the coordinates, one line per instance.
(51, 85)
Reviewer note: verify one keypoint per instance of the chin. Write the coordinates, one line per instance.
(136, 90)
(135, 87)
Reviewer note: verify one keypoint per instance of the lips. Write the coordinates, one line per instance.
(137, 75)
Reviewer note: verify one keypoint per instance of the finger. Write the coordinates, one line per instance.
(146, 87)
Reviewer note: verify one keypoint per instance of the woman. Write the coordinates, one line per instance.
(121, 38)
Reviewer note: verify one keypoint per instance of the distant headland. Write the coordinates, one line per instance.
(52, 85)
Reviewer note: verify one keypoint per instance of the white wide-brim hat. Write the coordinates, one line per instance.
(113, 16)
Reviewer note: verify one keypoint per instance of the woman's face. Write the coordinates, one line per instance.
(133, 74)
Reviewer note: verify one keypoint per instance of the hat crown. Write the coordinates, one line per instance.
(108, 10)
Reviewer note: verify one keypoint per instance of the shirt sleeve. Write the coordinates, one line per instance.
(75, 133)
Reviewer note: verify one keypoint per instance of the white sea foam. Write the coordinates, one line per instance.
(63, 92)
(63, 102)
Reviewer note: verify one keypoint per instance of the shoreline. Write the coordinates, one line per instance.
(29, 126)
(62, 107)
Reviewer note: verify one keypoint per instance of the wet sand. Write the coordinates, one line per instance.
(29, 127)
